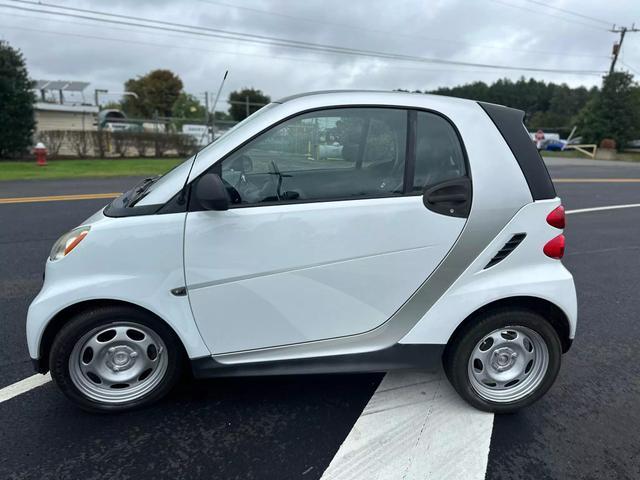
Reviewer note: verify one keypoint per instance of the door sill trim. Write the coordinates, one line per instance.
(398, 356)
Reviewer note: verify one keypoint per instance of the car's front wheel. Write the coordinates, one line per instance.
(504, 360)
(114, 359)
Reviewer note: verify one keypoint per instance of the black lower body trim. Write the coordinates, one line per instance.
(424, 357)
(39, 366)
(566, 345)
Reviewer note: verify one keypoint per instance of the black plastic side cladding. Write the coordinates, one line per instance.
(398, 357)
(508, 121)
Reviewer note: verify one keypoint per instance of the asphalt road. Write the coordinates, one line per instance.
(281, 428)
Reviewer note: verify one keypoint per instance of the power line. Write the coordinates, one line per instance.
(634, 70)
(388, 32)
(564, 10)
(234, 53)
(85, 24)
(267, 40)
(547, 14)
(193, 48)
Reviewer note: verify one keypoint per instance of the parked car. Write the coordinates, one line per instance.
(433, 238)
(552, 145)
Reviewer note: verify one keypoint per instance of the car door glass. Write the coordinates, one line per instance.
(328, 155)
(439, 154)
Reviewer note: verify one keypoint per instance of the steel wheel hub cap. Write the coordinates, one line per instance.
(118, 363)
(121, 358)
(503, 359)
(508, 364)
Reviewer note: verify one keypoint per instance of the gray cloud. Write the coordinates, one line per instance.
(477, 31)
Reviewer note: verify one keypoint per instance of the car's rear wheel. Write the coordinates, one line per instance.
(114, 359)
(504, 360)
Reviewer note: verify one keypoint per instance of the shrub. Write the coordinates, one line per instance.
(101, 141)
(80, 141)
(141, 142)
(53, 140)
(185, 145)
(122, 142)
(162, 142)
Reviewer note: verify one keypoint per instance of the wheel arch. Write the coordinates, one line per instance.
(62, 317)
(550, 311)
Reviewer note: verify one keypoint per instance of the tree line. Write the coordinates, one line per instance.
(609, 112)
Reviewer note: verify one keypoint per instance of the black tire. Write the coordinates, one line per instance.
(86, 321)
(460, 348)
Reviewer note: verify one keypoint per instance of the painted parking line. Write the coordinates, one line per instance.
(93, 196)
(601, 209)
(596, 180)
(23, 386)
(59, 198)
(415, 427)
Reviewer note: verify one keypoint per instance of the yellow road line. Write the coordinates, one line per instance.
(596, 180)
(59, 198)
(93, 196)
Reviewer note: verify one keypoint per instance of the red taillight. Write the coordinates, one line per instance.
(555, 247)
(556, 218)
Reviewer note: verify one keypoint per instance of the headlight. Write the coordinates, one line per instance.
(68, 242)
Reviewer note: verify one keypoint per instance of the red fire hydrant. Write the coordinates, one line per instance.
(41, 154)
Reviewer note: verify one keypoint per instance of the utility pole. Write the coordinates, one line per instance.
(618, 46)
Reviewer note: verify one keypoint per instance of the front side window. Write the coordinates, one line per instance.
(334, 154)
(439, 154)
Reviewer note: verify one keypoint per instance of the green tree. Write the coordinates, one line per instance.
(156, 92)
(223, 116)
(188, 107)
(546, 105)
(113, 105)
(16, 103)
(614, 113)
(238, 101)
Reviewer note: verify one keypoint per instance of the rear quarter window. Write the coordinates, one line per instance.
(439, 154)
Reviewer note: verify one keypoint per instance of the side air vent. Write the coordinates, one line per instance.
(509, 247)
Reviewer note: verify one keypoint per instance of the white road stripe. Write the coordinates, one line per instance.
(415, 427)
(18, 388)
(600, 209)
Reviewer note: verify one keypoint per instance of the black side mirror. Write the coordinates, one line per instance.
(211, 192)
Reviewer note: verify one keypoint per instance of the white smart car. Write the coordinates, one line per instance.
(431, 235)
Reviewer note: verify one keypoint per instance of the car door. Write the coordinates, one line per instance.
(328, 233)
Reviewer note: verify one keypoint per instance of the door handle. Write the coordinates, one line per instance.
(447, 198)
(451, 197)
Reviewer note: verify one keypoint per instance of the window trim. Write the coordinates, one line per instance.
(410, 155)
(409, 160)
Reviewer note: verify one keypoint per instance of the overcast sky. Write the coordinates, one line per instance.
(517, 33)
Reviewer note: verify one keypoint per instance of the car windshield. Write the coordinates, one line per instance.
(181, 171)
